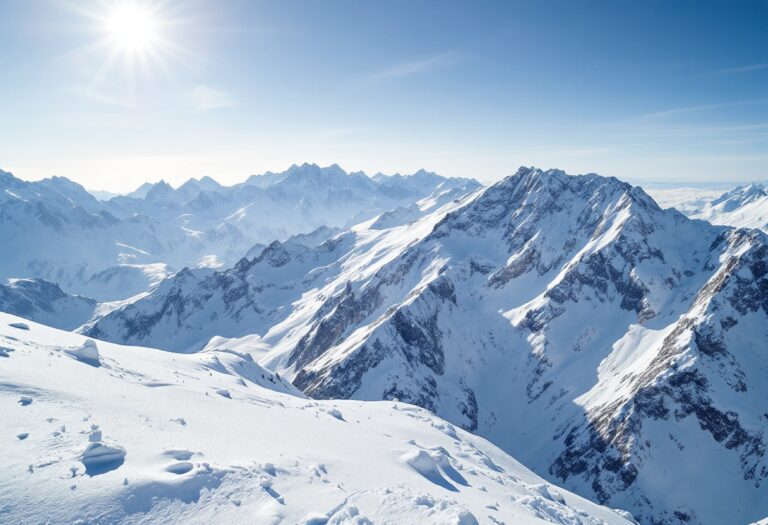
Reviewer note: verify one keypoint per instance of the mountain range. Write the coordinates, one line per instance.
(615, 347)
(112, 250)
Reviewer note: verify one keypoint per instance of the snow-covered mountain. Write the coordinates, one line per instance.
(183, 313)
(46, 303)
(119, 248)
(615, 347)
(741, 207)
(55, 230)
(99, 433)
(275, 206)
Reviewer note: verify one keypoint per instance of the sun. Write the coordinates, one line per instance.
(132, 27)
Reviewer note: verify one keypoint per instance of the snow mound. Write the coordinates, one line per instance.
(87, 353)
(99, 458)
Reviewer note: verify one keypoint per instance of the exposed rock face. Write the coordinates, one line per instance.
(572, 311)
(44, 302)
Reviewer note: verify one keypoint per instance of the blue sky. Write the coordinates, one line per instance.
(645, 91)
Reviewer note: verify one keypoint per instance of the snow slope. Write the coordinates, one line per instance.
(99, 433)
(627, 338)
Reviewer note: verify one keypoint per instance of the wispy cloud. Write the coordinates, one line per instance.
(92, 94)
(204, 98)
(416, 67)
(742, 69)
(698, 109)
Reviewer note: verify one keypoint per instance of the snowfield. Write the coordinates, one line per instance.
(94, 432)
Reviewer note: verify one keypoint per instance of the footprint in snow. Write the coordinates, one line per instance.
(179, 455)
(180, 467)
(182, 464)
(25, 400)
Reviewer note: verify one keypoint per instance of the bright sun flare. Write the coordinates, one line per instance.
(132, 27)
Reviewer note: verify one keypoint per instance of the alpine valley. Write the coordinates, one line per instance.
(427, 328)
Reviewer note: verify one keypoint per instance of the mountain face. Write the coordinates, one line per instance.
(117, 249)
(614, 347)
(100, 433)
(44, 302)
(183, 313)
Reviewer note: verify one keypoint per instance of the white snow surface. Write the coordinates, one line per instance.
(149, 436)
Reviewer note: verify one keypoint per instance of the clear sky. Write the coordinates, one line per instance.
(642, 90)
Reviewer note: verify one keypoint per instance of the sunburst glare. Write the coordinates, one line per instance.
(132, 27)
(137, 38)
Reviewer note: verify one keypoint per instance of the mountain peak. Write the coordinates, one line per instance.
(158, 190)
(740, 196)
(7, 178)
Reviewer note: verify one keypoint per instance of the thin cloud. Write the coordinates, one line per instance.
(697, 109)
(102, 97)
(742, 69)
(205, 98)
(416, 67)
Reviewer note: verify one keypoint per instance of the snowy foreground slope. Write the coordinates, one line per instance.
(614, 347)
(99, 433)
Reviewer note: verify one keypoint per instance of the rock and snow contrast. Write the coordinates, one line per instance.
(99, 433)
(614, 347)
(184, 312)
(113, 250)
(44, 302)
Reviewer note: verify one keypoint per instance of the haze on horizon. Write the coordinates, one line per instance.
(113, 93)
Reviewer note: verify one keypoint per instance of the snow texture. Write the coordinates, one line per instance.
(145, 438)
